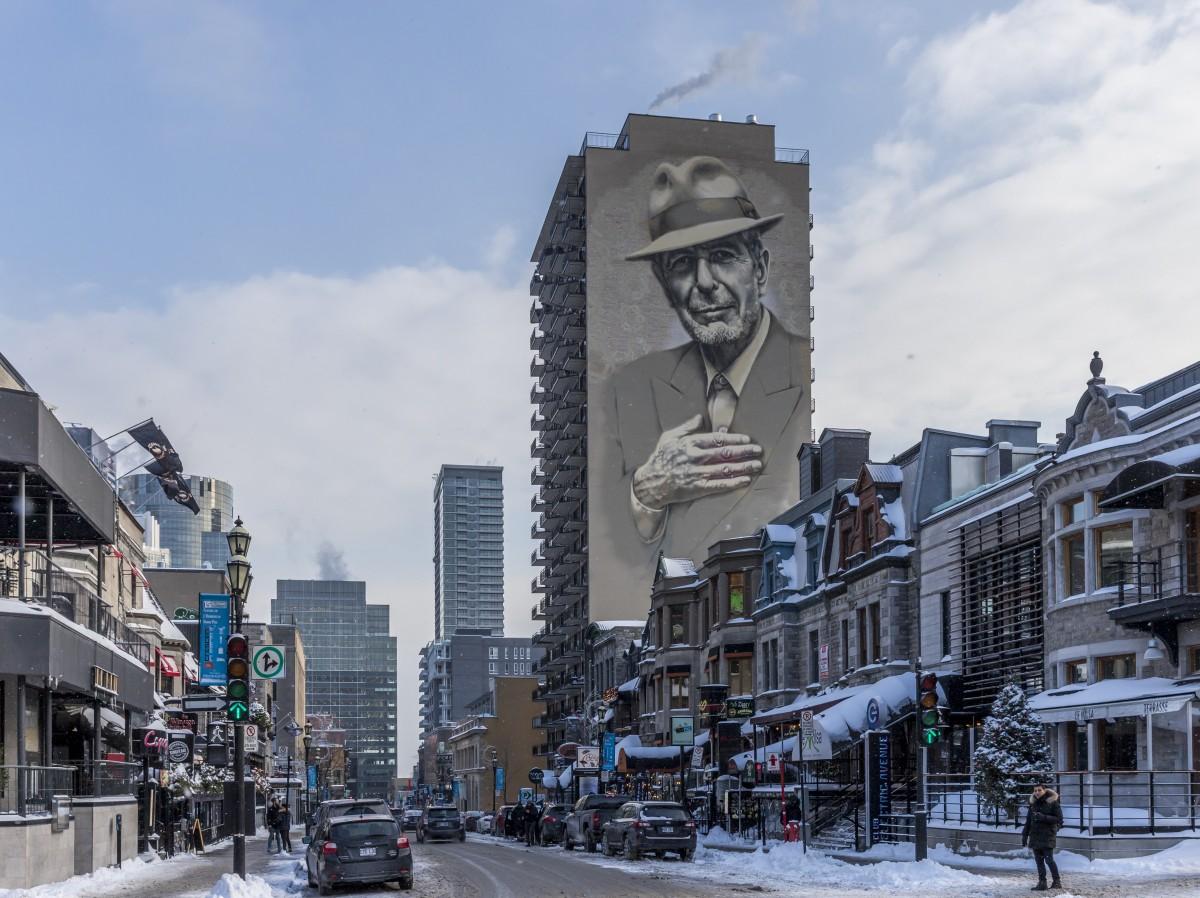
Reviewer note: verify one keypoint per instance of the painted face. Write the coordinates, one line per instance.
(715, 288)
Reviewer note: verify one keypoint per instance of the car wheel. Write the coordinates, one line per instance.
(406, 882)
(462, 837)
(324, 888)
(568, 845)
(591, 844)
(685, 855)
(631, 852)
(312, 883)
(606, 848)
(660, 854)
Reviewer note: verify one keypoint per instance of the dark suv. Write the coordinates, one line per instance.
(360, 849)
(441, 823)
(585, 824)
(651, 827)
(349, 807)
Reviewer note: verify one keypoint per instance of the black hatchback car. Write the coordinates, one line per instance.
(441, 823)
(363, 849)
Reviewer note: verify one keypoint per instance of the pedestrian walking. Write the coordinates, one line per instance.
(514, 824)
(273, 825)
(532, 818)
(285, 828)
(1040, 833)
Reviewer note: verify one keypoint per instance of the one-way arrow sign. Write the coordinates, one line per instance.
(203, 703)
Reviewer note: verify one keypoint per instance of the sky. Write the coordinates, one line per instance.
(298, 235)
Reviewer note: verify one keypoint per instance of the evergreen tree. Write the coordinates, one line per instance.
(1013, 743)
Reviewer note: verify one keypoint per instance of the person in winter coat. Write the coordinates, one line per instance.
(285, 828)
(1040, 833)
(273, 825)
(514, 824)
(791, 809)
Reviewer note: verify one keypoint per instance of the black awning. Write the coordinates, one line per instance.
(32, 440)
(1143, 484)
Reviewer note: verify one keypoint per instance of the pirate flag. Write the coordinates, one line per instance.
(164, 463)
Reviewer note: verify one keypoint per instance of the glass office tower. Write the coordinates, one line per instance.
(195, 540)
(351, 671)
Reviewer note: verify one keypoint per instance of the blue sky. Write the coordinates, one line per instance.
(298, 234)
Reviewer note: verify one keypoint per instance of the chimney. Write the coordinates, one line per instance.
(714, 116)
(810, 469)
(843, 453)
(1019, 433)
(752, 119)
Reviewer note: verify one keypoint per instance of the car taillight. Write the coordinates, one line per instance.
(551, 820)
(691, 824)
(596, 820)
(638, 824)
(329, 848)
(402, 842)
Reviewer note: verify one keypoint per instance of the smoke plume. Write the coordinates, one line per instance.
(730, 62)
(331, 562)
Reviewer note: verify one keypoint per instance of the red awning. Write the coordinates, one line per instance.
(166, 664)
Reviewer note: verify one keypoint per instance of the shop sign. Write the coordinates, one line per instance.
(180, 744)
(823, 664)
(611, 695)
(214, 635)
(148, 743)
(588, 757)
(739, 708)
(608, 752)
(683, 731)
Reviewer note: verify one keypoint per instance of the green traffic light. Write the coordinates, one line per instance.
(237, 689)
(237, 711)
(930, 736)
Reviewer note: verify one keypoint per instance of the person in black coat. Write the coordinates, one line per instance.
(1040, 833)
(514, 824)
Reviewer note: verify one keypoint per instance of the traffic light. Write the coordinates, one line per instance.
(928, 712)
(237, 678)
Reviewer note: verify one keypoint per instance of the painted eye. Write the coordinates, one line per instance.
(680, 264)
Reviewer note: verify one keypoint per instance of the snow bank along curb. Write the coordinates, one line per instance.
(230, 886)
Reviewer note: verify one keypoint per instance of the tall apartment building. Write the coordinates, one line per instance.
(468, 549)
(619, 361)
(191, 540)
(350, 673)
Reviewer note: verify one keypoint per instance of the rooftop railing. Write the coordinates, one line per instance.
(45, 583)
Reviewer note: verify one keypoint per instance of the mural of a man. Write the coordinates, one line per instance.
(698, 427)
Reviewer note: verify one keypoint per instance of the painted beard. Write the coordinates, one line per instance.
(719, 333)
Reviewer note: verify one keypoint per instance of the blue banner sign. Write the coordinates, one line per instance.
(608, 752)
(214, 633)
(312, 776)
(499, 780)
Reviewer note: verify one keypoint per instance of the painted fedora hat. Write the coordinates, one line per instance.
(695, 202)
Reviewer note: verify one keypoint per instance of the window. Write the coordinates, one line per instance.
(1077, 747)
(679, 624)
(741, 672)
(876, 632)
(814, 656)
(1075, 672)
(862, 637)
(1114, 548)
(737, 594)
(680, 693)
(846, 665)
(1116, 667)
(1117, 741)
(1074, 511)
(1193, 655)
(493, 653)
(491, 667)
(1073, 565)
(945, 623)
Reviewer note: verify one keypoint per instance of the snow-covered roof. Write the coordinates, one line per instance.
(15, 606)
(893, 515)
(677, 567)
(780, 533)
(630, 685)
(885, 474)
(617, 624)
(632, 746)
(1129, 440)
(1114, 698)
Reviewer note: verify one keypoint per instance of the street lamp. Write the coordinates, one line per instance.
(307, 743)
(495, 784)
(238, 570)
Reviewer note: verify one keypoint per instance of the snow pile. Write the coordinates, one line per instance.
(230, 886)
(132, 871)
(1182, 859)
(787, 863)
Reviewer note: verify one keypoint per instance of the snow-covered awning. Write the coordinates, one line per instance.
(630, 685)
(1142, 485)
(839, 716)
(633, 756)
(1114, 698)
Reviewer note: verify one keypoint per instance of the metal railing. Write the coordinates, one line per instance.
(104, 779)
(1104, 803)
(793, 155)
(604, 141)
(48, 584)
(29, 790)
(1162, 572)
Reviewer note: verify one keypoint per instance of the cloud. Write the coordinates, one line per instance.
(328, 404)
(331, 562)
(742, 60)
(1035, 202)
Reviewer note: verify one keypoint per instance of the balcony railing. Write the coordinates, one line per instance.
(1164, 572)
(795, 156)
(48, 584)
(604, 141)
(104, 779)
(29, 790)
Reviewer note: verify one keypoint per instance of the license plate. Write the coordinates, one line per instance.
(667, 829)
(366, 852)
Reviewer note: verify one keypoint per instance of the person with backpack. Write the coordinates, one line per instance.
(273, 826)
(1041, 832)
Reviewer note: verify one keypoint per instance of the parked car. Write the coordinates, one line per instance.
(650, 827)
(501, 821)
(361, 849)
(550, 823)
(411, 819)
(486, 824)
(471, 821)
(350, 807)
(585, 823)
(441, 822)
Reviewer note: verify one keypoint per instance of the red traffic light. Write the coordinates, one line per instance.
(928, 682)
(237, 646)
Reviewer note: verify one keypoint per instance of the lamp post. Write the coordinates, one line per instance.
(495, 784)
(238, 569)
(307, 743)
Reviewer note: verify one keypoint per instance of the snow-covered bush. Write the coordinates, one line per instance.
(1013, 747)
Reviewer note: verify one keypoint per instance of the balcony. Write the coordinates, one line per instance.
(1158, 589)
